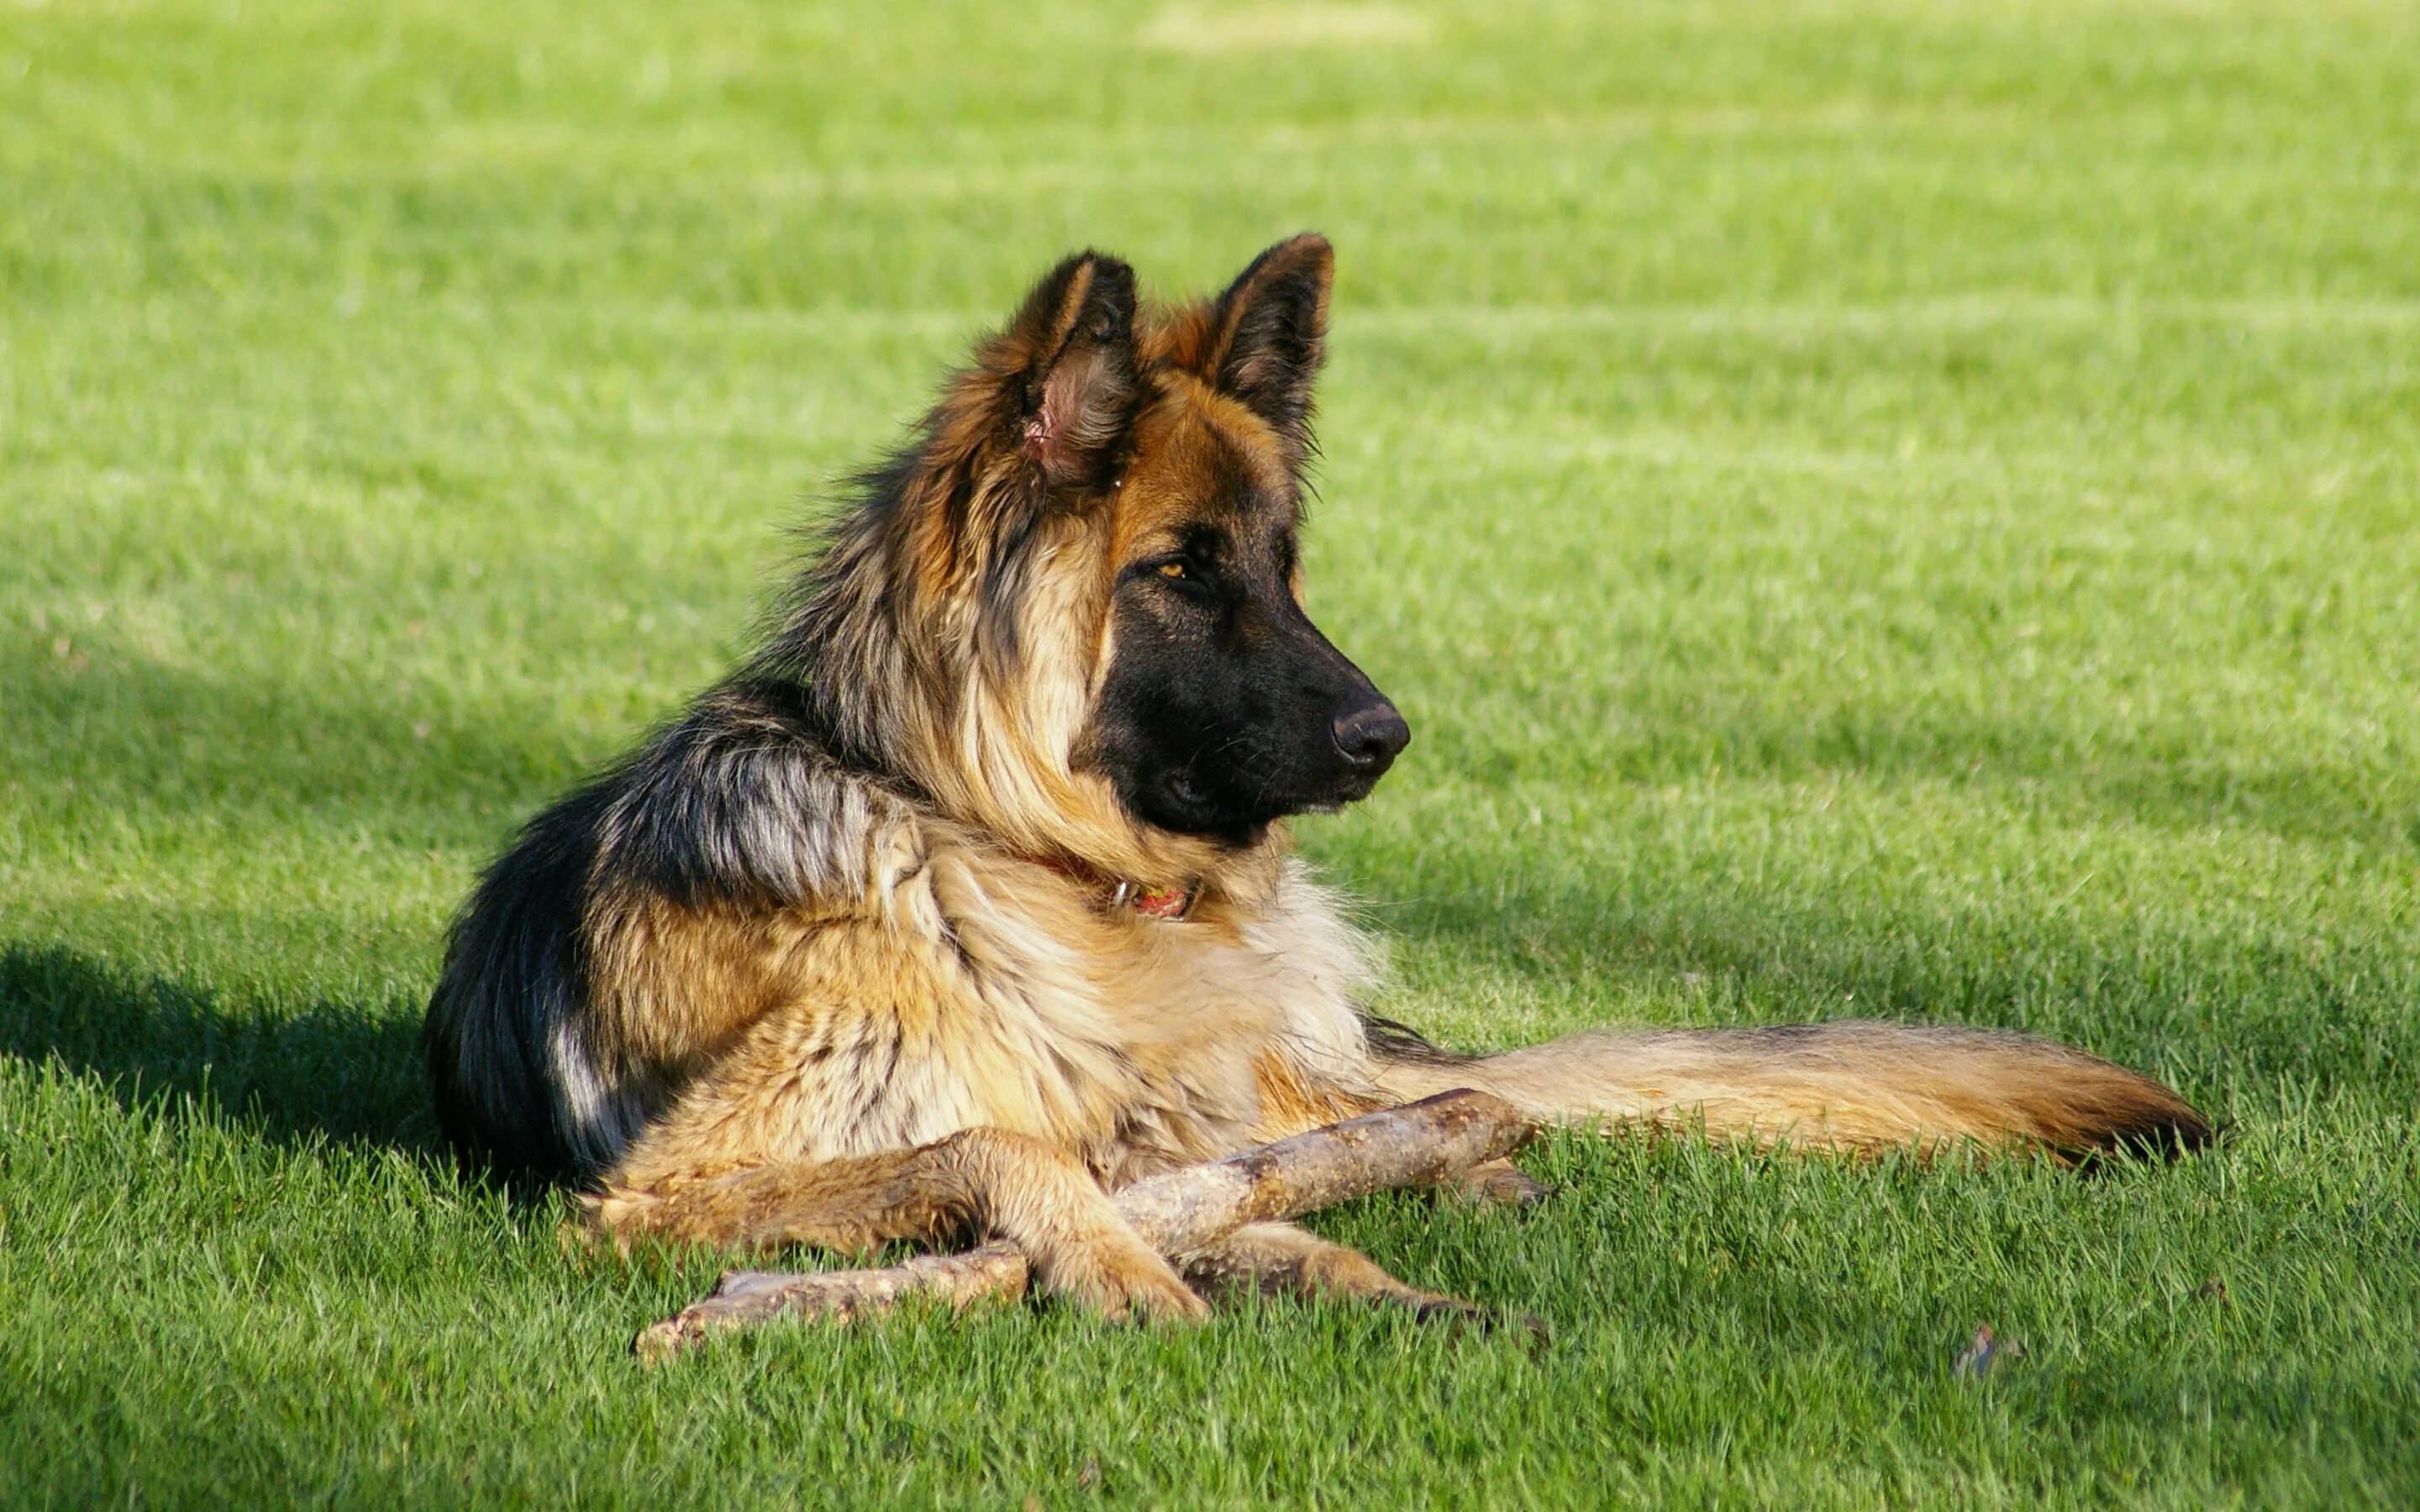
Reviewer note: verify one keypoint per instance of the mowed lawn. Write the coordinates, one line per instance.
(1894, 509)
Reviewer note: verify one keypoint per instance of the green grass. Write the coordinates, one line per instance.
(1898, 509)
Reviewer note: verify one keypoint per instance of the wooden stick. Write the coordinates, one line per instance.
(1425, 1142)
(1420, 1143)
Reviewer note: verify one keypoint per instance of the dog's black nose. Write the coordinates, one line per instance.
(1371, 736)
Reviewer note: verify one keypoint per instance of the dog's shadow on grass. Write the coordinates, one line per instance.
(334, 1073)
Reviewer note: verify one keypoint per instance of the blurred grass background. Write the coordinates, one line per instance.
(1869, 508)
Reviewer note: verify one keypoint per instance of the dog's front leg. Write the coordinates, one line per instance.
(986, 1180)
(1280, 1259)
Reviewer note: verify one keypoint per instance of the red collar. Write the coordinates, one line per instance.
(1173, 903)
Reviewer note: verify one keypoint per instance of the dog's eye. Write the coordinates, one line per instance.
(1184, 574)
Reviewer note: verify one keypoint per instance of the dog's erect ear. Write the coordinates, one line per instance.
(1070, 361)
(1267, 334)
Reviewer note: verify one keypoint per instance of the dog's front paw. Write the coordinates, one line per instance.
(1123, 1280)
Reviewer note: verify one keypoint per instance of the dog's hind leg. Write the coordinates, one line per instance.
(1281, 1260)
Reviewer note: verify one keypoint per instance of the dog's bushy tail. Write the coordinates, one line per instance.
(1853, 1083)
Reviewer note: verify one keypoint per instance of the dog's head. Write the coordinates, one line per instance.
(1088, 567)
(1223, 706)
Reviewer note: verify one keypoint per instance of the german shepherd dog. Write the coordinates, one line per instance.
(970, 897)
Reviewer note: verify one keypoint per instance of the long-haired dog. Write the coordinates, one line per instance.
(970, 897)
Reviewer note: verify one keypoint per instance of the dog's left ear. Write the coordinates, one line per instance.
(1267, 334)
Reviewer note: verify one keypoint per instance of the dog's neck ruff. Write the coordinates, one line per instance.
(1172, 904)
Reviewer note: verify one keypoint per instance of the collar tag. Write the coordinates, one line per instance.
(1161, 903)
(1173, 903)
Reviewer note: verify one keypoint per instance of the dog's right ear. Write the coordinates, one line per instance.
(1069, 374)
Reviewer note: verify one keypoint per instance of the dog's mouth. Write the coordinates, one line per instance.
(1180, 799)
(1333, 799)
(1245, 807)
